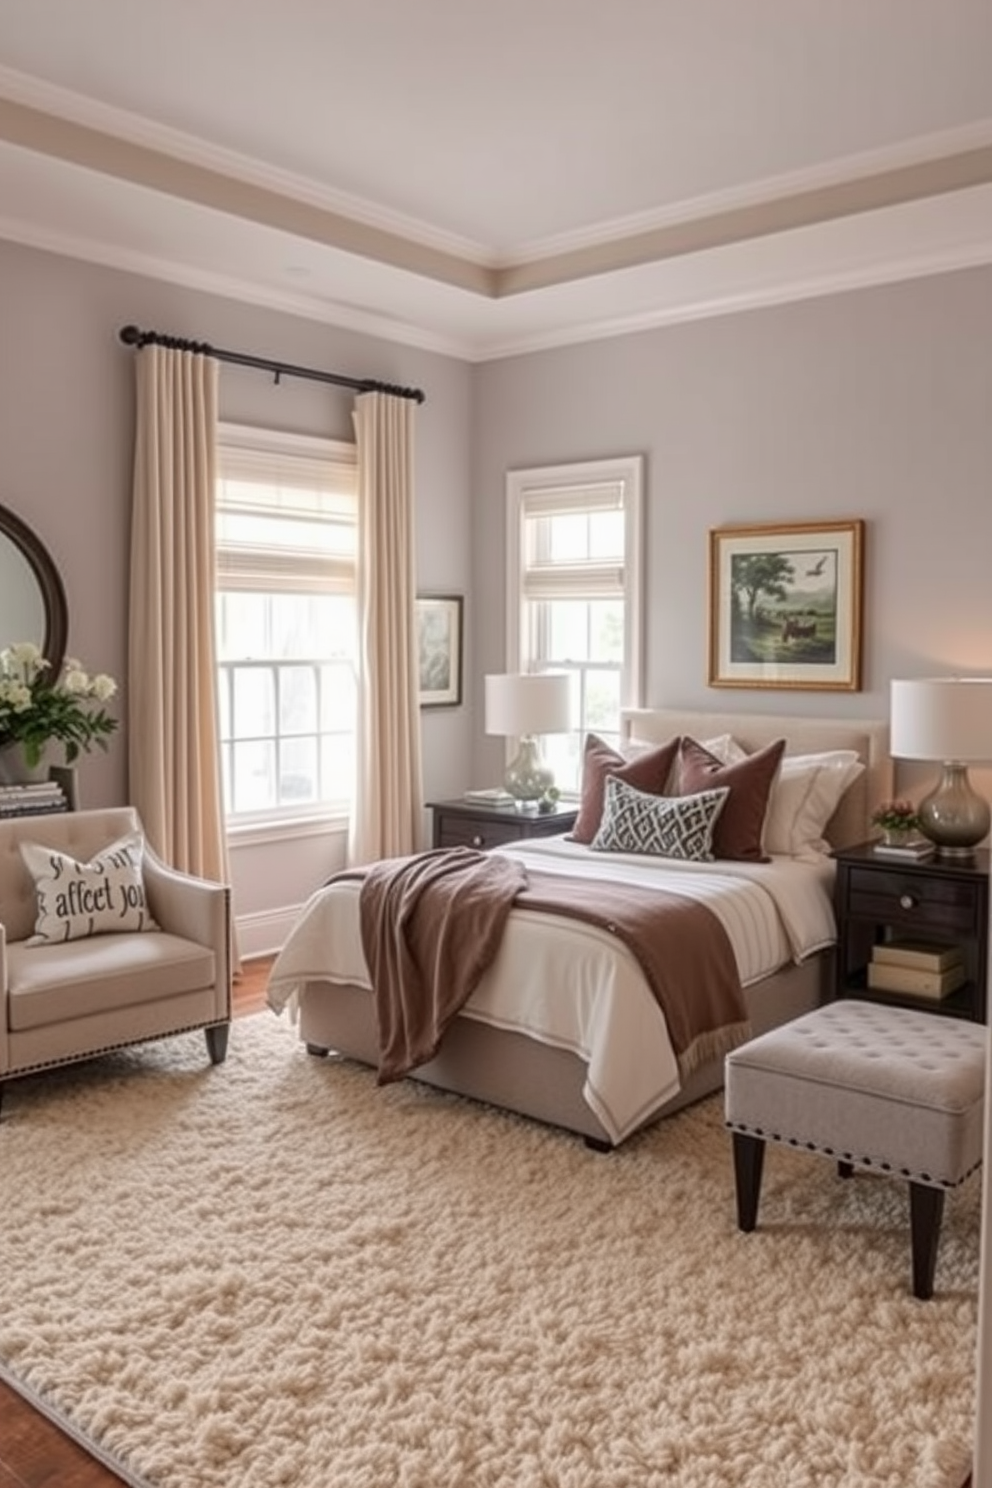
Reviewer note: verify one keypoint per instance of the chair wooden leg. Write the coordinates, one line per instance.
(926, 1210)
(217, 1042)
(749, 1158)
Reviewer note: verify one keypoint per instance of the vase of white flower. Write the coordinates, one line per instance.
(14, 768)
(37, 713)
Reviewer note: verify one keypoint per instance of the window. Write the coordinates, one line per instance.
(286, 623)
(574, 600)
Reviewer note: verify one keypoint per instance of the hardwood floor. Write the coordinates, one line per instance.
(34, 1453)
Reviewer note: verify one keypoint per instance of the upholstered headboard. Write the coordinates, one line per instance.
(851, 822)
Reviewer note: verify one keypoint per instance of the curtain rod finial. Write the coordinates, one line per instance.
(130, 335)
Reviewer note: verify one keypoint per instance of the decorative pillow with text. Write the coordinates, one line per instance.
(659, 826)
(104, 896)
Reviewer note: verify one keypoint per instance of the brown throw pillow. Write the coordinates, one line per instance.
(738, 829)
(646, 772)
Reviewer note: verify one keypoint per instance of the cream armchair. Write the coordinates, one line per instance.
(64, 1002)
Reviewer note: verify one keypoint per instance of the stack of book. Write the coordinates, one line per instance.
(918, 968)
(32, 800)
(915, 848)
(493, 795)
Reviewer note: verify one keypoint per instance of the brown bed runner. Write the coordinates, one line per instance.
(431, 925)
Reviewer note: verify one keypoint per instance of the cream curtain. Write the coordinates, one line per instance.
(387, 818)
(173, 752)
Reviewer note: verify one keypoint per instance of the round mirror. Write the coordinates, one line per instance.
(32, 599)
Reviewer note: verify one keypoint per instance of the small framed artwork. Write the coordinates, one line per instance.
(785, 606)
(439, 649)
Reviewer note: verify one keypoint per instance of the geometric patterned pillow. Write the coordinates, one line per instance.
(96, 898)
(662, 826)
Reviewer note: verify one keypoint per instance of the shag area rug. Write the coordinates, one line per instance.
(275, 1273)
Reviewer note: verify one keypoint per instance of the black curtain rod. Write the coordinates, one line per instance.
(132, 336)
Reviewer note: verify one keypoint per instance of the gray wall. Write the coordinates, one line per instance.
(873, 404)
(66, 444)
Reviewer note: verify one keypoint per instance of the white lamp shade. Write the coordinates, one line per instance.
(942, 718)
(528, 703)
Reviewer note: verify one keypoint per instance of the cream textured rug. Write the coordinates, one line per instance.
(274, 1273)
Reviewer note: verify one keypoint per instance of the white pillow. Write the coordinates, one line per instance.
(100, 897)
(804, 796)
(636, 821)
(725, 748)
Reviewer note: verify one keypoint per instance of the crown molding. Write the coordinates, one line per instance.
(228, 286)
(924, 150)
(735, 302)
(43, 98)
(35, 115)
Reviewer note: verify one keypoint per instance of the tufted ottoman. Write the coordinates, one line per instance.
(871, 1086)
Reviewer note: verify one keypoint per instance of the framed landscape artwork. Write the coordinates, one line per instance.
(439, 650)
(785, 606)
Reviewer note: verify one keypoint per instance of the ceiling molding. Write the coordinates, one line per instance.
(69, 127)
(40, 97)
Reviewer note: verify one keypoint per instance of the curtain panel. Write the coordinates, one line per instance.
(173, 746)
(387, 819)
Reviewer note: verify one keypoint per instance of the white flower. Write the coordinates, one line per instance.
(75, 679)
(18, 696)
(104, 687)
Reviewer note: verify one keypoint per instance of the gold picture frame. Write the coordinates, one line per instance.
(785, 605)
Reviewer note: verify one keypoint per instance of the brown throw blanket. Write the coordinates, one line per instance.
(431, 925)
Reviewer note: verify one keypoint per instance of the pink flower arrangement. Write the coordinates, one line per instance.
(896, 816)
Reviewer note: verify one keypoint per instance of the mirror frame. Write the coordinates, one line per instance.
(49, 582)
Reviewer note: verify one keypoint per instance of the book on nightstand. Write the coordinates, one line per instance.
(493, 795)
(923, 955)
(883, 977)
(917, 850)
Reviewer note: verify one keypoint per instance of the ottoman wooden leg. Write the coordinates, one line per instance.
(926, 1210)
(749, 1157)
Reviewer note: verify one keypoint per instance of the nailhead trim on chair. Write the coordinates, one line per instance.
(150, 1038)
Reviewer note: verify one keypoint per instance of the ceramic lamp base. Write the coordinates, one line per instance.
(527, 777)
(954, 816)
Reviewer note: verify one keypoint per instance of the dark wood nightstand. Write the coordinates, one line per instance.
(947, 903)
(467, 824)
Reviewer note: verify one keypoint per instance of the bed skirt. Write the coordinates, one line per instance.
(520, 1074)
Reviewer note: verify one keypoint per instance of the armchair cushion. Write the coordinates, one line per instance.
(101, 974)
(76, 900)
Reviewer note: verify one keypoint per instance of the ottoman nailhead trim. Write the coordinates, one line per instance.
(861, 1162)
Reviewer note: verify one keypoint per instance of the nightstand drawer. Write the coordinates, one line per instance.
(942, 903)
(464, 833)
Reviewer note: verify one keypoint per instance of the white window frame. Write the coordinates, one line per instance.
(254, 451)
(562, 487)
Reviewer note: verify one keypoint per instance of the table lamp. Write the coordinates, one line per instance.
(948, 719)
(522, 706)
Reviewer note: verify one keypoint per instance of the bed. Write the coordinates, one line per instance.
(563, 1027)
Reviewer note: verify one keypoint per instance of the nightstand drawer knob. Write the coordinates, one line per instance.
(907, 901)
(478, 840)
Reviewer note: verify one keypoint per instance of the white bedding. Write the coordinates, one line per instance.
(570, 984)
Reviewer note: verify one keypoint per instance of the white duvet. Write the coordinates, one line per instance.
(574, 985)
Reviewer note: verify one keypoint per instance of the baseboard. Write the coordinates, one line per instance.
(265, 932)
